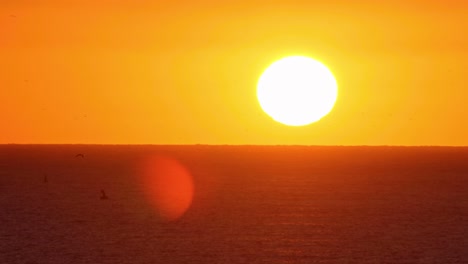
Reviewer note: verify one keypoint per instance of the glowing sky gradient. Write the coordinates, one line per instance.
(185, 72)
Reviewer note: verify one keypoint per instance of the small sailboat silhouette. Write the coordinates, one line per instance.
(103, 195)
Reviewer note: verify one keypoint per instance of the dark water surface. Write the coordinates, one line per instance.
(251, 204)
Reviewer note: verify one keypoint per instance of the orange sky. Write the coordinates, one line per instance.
(185, 72)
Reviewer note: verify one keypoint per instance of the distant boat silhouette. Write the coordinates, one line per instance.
(79, 155)
(103, 195)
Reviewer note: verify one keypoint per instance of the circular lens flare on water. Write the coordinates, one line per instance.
(168, 186)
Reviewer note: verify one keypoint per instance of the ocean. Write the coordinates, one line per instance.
(241, 204)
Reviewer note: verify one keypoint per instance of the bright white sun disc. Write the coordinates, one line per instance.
(297, 91)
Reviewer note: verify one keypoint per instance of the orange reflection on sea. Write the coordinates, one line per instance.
(168, 186)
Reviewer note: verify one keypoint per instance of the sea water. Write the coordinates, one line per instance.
(251, 204)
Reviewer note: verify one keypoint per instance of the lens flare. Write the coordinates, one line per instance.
(168, 186)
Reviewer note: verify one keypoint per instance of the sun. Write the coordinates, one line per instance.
(297, 91)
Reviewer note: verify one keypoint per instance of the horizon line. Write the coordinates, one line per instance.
(221, 145)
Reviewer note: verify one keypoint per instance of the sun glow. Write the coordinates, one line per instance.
(297, 91)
